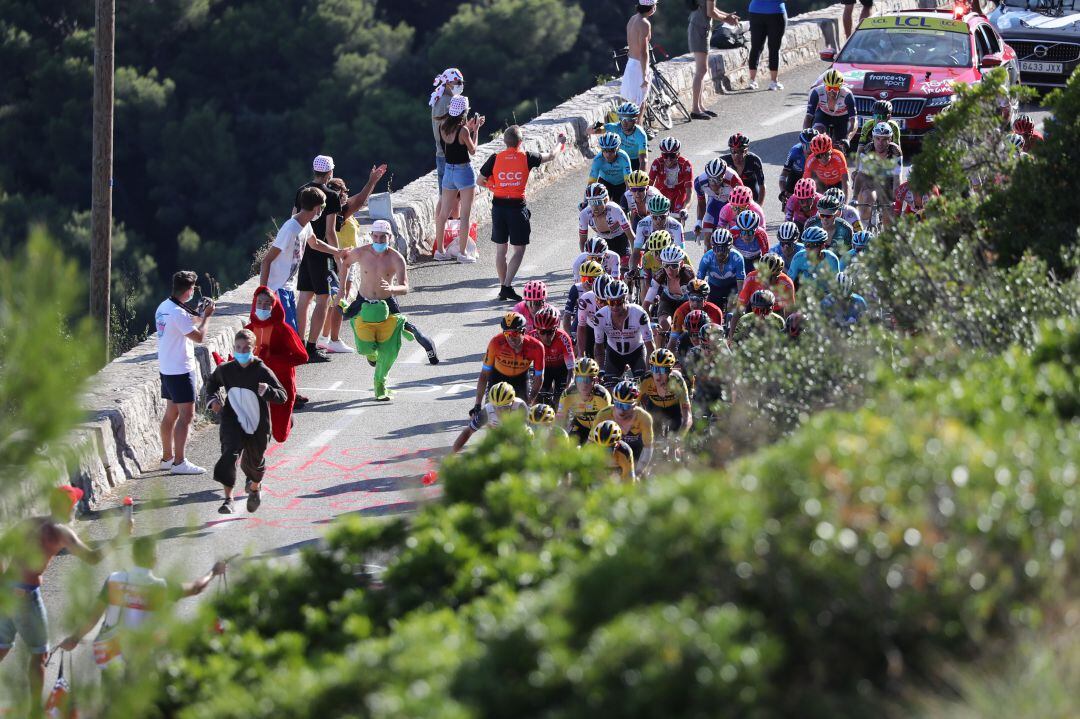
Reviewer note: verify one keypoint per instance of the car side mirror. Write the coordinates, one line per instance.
(828, 54)
(993, 60)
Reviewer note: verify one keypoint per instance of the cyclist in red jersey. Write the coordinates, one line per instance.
(558, 355)
(509, 356)
(774, 279)
(696, 291)
(672, 174)
(535, 295)
(1024, 126)
(827, 166)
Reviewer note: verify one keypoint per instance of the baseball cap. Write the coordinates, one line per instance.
(646, 2)
(458, 106)
(382, 226)
(322, 163)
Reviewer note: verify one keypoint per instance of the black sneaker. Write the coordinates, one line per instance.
(314, 354)
(226, 507)
(300, 401)
(254, 498)
(432, 358)
(511, 295)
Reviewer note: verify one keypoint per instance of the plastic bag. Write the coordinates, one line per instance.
(61, 703)
(451, 235)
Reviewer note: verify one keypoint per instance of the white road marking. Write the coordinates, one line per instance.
(420, 356)
(775, 119)
(335, 386)
(323, 438)
(353, 411)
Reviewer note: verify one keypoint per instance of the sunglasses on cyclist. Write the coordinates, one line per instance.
(669, 155)
(616, 303)
(624, 406)
(511, 334)
(671, 267)
(661, 370)
(597, 203)
(827, 213)
(546, 333)
(638, 189)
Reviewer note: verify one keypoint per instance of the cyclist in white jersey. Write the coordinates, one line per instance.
(623, 334)
(715, 183)
(606, 219)
(596, 249)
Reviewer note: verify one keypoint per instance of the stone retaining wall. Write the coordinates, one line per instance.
(123, 403)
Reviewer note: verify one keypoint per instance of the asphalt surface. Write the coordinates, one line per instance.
(351, 455)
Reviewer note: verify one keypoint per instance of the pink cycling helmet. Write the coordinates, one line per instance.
(805, 189)
(741, 196)
(535, 291)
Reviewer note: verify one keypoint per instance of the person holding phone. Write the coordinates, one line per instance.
(179, 326)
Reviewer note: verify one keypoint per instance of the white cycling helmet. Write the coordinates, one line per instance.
(673, 255)
(715, 169)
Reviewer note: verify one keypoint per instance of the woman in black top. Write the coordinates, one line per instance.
(746, 164)
(459, 135)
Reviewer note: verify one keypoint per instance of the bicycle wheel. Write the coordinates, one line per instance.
(659, 113)
(673, 100)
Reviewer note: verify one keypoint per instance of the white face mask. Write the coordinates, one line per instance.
(457, 89)
(317, 215)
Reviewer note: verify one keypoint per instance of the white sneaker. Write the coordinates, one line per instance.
(466, 259)
(322, 342)
(187, 467)
(752, 85)
(166, 465)
(338, 347)
(441, 256)
(774, 85)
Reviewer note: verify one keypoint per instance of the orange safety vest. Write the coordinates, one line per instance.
(510, 174)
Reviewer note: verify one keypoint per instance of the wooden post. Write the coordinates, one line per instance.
(101, 202)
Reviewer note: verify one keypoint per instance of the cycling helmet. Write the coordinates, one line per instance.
(670, 144)
(672, 255)
(861, 238)
(793, 324)
(738, 140)
(609, 141)
(626, 391)
(546, 318)
(762, 299)
(600, 285)
(513, 322)
(807, 135)
(741, 196)
(542, 414)
(592, 268)
(658, 241)
(828, 205)
(845, 283)
(662, 357)
(821, 145)
(694, 321)
(586, 367)
(805, 189)
(595, 246)
(698, 287)
(637, 178)
(715, 169)
(616, 290)
(837, 194)
(595, 192)
(882, 108)
(747, 220)
(534, 291)
(502, 394)
(1015, 140)
(788, 232)
(606, 433)
(832, 78)
(882, 129)
(711, 332)
(815, 235)
(1023, 124)
(773, 262)
(658, 205)
(721, 237)
(627, 109)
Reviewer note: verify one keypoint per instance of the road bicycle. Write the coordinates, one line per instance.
(663, 98)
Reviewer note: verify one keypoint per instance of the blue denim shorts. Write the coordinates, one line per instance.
(459, 177)
(27, 620)
(440, 170)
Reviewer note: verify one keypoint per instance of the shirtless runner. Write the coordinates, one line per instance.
(377, 322)
(635, 80)
(38, 540)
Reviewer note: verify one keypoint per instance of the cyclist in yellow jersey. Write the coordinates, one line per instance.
(665, 395)
(582, 400)
(608, 434)
(542, 422)
(636, 424)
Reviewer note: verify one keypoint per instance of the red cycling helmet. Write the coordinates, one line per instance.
(1023, 124)
(535, 291)
(546, 318)
(694, 321)
(805, 189)
(738, 140)
(820, 145)
(741, 196)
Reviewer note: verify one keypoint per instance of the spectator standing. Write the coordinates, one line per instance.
(867, 5)
(699, 35)
(459, 135)
(506, 174)
(636, 76)
(768, 21)
(179, 327)
(317, 264)
(448, 85)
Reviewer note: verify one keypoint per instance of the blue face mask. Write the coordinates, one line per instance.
(242, 357)
(379, 247)
(262, 314)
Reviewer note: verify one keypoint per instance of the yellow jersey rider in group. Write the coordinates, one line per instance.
(583, 400)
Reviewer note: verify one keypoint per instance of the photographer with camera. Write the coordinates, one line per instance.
(179, 326)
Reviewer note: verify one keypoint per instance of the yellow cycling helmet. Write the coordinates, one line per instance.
(592, 268)
(637, 178)
(833, 79)
(586, 367)
(626, 391)
(662, 357)
(542, 414)
(502, 394)
(658, 241)
(606, 434)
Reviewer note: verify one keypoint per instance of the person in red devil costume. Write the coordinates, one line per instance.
(280, 348)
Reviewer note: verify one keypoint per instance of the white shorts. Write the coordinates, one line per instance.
(633, 76)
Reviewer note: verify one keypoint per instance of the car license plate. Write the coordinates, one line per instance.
(901, 123)
(1055, 68)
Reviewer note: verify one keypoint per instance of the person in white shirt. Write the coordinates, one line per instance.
(179, 327)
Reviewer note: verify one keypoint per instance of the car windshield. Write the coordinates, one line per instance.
(1043, 5)
(896, 46)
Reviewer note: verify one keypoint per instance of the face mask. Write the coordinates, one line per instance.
(379, 247)
(242, 357)
(457, 89)
(262, 314)
(317, 215)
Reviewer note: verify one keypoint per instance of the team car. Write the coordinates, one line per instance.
(913, 58)
(1045, 35)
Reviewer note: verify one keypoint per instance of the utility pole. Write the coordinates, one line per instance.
(101, 202)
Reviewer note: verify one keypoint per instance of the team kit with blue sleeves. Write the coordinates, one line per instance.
(723, 278)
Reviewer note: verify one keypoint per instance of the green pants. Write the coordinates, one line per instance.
(378, 336)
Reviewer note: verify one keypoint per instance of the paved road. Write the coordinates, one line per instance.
(351, 455)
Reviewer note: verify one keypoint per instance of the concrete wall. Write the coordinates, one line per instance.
(123, 403)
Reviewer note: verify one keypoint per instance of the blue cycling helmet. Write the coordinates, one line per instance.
(861, 238)
(807, 135)
(609, 141)
(788, 232)
(814, 235)
(627, 109)
(747, 221)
